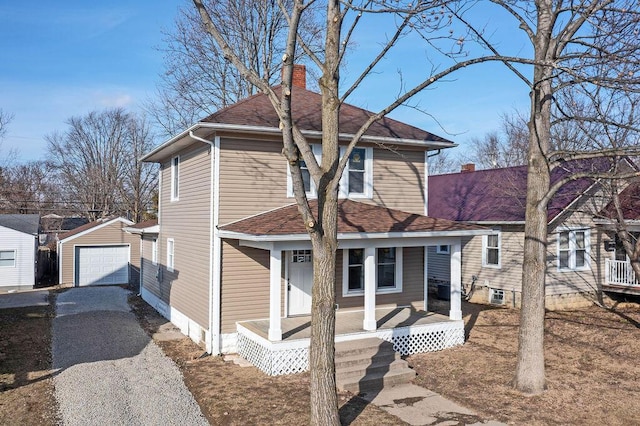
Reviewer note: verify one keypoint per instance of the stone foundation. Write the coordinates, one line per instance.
(553, 302)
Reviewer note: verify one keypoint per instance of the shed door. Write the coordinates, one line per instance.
(102, 265)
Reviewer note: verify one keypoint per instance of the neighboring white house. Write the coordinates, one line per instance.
(18, 248)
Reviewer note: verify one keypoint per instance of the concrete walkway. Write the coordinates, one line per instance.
(419, 406)
(108, 370)
(20, 299)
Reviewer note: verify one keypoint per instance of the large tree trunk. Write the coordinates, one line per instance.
(530, 375)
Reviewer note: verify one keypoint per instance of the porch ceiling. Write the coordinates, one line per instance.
(348, 322)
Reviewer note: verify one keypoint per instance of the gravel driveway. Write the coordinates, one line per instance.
(108, 369)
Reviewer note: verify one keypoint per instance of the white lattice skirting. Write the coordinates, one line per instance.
(279, 358)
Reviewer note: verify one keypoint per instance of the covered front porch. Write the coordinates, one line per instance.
(410, 330)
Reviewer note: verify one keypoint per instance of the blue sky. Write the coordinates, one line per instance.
(63, 59)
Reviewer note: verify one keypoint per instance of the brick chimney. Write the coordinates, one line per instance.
(468, 168)
(299, 76)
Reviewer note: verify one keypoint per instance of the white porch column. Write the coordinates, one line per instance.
(369, 322)
(426, 278)
(455, 307)
(275, 295)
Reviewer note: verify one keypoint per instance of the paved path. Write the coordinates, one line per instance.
(419, 406)
(21, 299)
(108, 371)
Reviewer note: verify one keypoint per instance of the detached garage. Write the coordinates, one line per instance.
(99, 253)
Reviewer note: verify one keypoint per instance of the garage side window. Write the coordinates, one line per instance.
(175, 178)
(170, 254)
(7, 258)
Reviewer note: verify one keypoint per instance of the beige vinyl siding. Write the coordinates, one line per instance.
(412, 284)
(245, 284)
(187, 222)
(149, 270)
(509, 275)
(111, 234)
(253, 178)
(398, 179)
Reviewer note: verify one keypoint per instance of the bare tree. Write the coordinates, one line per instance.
(6, 158)
(28, 188)
(568, 39)
(96, 159)
(198, 79)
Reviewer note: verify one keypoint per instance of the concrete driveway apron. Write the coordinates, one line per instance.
(108, 370)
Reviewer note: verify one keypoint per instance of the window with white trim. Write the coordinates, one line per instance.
(573, 250)
(170, 254)
(388, 271)
(442, 249)
(175, 178)
(357, 179)
(491, 250)
(7, 258)
(154, 251)
(309, 186)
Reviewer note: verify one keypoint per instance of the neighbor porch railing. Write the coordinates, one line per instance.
(618, 272)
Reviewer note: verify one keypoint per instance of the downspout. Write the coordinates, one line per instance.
(213, 343)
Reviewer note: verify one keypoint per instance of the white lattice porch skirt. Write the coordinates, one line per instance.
(288, 357)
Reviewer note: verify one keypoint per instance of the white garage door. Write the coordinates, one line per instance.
(102, 265)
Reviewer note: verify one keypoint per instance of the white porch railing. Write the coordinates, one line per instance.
(618, 272)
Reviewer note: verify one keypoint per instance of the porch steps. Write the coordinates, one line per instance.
(368, 365)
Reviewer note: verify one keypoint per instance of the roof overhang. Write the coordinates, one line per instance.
(354, 239)
(183, 139)
(154, 230)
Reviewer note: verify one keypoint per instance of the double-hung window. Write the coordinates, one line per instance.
(573, 250)
(170, 254)
(357, 179)
(175, 178)
(309, 186)
(7, 258)
(491, 250)
(388, 271)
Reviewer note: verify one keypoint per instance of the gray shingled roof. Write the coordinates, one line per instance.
(26, 223)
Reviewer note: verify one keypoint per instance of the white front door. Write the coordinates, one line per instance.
(300, 282)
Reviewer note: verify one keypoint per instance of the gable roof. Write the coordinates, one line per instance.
(92, 226)
(629, 203)
(499, 195)
(353, 218)
(25, 223)
(256, 115)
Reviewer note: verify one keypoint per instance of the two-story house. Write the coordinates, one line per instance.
(230, 262)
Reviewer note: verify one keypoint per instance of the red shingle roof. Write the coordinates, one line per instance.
(306, 108)
(353, 217)
(498, 195)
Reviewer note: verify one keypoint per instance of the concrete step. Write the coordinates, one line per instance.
(369, 364)
(357, 372)
(376, 381)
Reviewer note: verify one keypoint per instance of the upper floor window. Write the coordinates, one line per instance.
(170, 254)
(491, 250)
(573, 249)
(309, 186)
(7, 258)
(175, 178)
(357, 179)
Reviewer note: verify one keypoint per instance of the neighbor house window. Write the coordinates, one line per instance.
(154, 251)
(175, 178)
(442, 249)
(7, 258)
(388, 271)
(357, 179)
(170, 254)
(491, 250)
(573, 250)
(309, 186)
